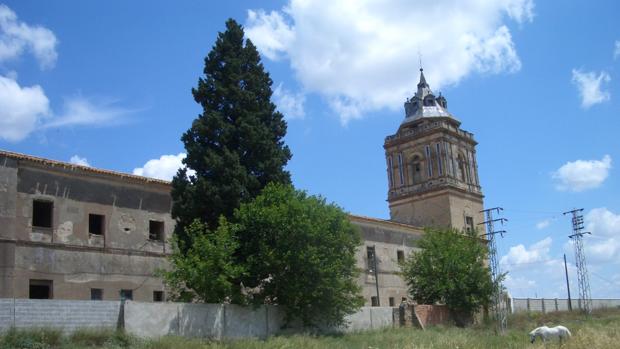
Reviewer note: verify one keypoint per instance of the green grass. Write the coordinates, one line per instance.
(601, 330)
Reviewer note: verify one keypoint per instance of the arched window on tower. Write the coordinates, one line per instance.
(463, 170)
(416, 169)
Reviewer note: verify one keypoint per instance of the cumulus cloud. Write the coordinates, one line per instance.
(604, 243)
(582, 175)
(290, 104)
(362, 56)
(163, 168)
(21, 109)
(519, 254)
(590, 86)
(617, 49)
(80, 111)
(17, 36)
(76, 160)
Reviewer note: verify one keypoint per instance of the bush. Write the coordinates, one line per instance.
(39, 338)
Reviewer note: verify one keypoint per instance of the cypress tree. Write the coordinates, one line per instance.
(236, 144)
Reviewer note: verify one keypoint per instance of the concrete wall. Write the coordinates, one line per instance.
(152, 320)
(546, 305)
(62, 314)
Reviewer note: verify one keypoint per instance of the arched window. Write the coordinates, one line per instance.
(463, 170)
(416, 169)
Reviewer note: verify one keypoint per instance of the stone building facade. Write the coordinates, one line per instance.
(76, 232)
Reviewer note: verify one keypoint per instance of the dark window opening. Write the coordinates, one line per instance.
(96, 294)
(374, 301)
(400, 255)
(404, 299)
(370, 254)
(41, 289)
(391, 299)
(126, 295)
(96, 224)
(469, 224)
(42, 213)
(156, 230)
(158, 296)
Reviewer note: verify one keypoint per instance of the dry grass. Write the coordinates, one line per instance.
(600, 331)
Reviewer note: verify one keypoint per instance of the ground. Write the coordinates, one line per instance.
(600, 331)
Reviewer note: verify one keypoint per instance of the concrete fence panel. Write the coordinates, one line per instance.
(381, 317)
(558, 304)
(151, 320)
(7, 313)
(244, 322)
(201, 320)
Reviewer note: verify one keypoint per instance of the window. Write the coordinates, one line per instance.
(439, 165)
(416, 175)
(404, 299)
(42, 213)
(429, 164)
(156, 230)
(158, 296)
(96, 224)
(370, 254)
(400, 168)
(126, 295)
(448, 153)
(96, 294)
(41, 289)
(391, 300)
(390, 172)
(374, 301)
(400, 256)
(469, 223)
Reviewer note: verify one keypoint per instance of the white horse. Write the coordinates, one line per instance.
(546, 333)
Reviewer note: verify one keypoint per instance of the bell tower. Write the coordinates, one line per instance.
(431, 165)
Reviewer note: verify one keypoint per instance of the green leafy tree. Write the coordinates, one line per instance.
(299, 253)
(450, 269)
(235, 146)
(205, 270)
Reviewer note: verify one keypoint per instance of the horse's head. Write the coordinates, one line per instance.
(533, 335)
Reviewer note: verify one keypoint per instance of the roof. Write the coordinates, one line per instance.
(74, 167)
(424, 104)
(393, 224)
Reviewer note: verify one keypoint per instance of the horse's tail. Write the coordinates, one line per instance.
(568, 332)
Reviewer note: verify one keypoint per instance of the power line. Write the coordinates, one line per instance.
(498, 303)
(583, 280)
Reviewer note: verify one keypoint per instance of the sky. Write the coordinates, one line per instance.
(108, 85)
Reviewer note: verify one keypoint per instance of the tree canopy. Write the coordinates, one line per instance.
(450, 268)
(235, 146)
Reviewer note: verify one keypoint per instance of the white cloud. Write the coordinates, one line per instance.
(21, 109)
(604, 243)
(17, 36)
(80, 111)
(582, 175)
(590, 87)
(163, 168)
(617, 49)
(290, 104)
(543, 224)
(76, 160)
(519, 254)
(362, 56)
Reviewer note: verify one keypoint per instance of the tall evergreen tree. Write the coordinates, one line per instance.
(236, 144)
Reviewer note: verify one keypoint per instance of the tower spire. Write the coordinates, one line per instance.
(422, 82)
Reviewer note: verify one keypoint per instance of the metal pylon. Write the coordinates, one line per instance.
(583, 279)
(499, 306)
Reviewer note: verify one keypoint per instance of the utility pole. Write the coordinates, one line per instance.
(570, 305)
(583, 281)
(499, 307)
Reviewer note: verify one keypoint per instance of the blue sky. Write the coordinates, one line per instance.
(108, 83)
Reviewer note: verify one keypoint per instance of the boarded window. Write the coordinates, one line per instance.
(42, 213)
(96, 294)
(391, 299)
(96, 224)
(156, 230)
(41, 289)
(400, 256)
(469, 224)
(158, 296)
(127, 295)
(374, 301)
(370, 254)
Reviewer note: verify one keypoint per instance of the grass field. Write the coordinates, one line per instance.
(601, 330)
